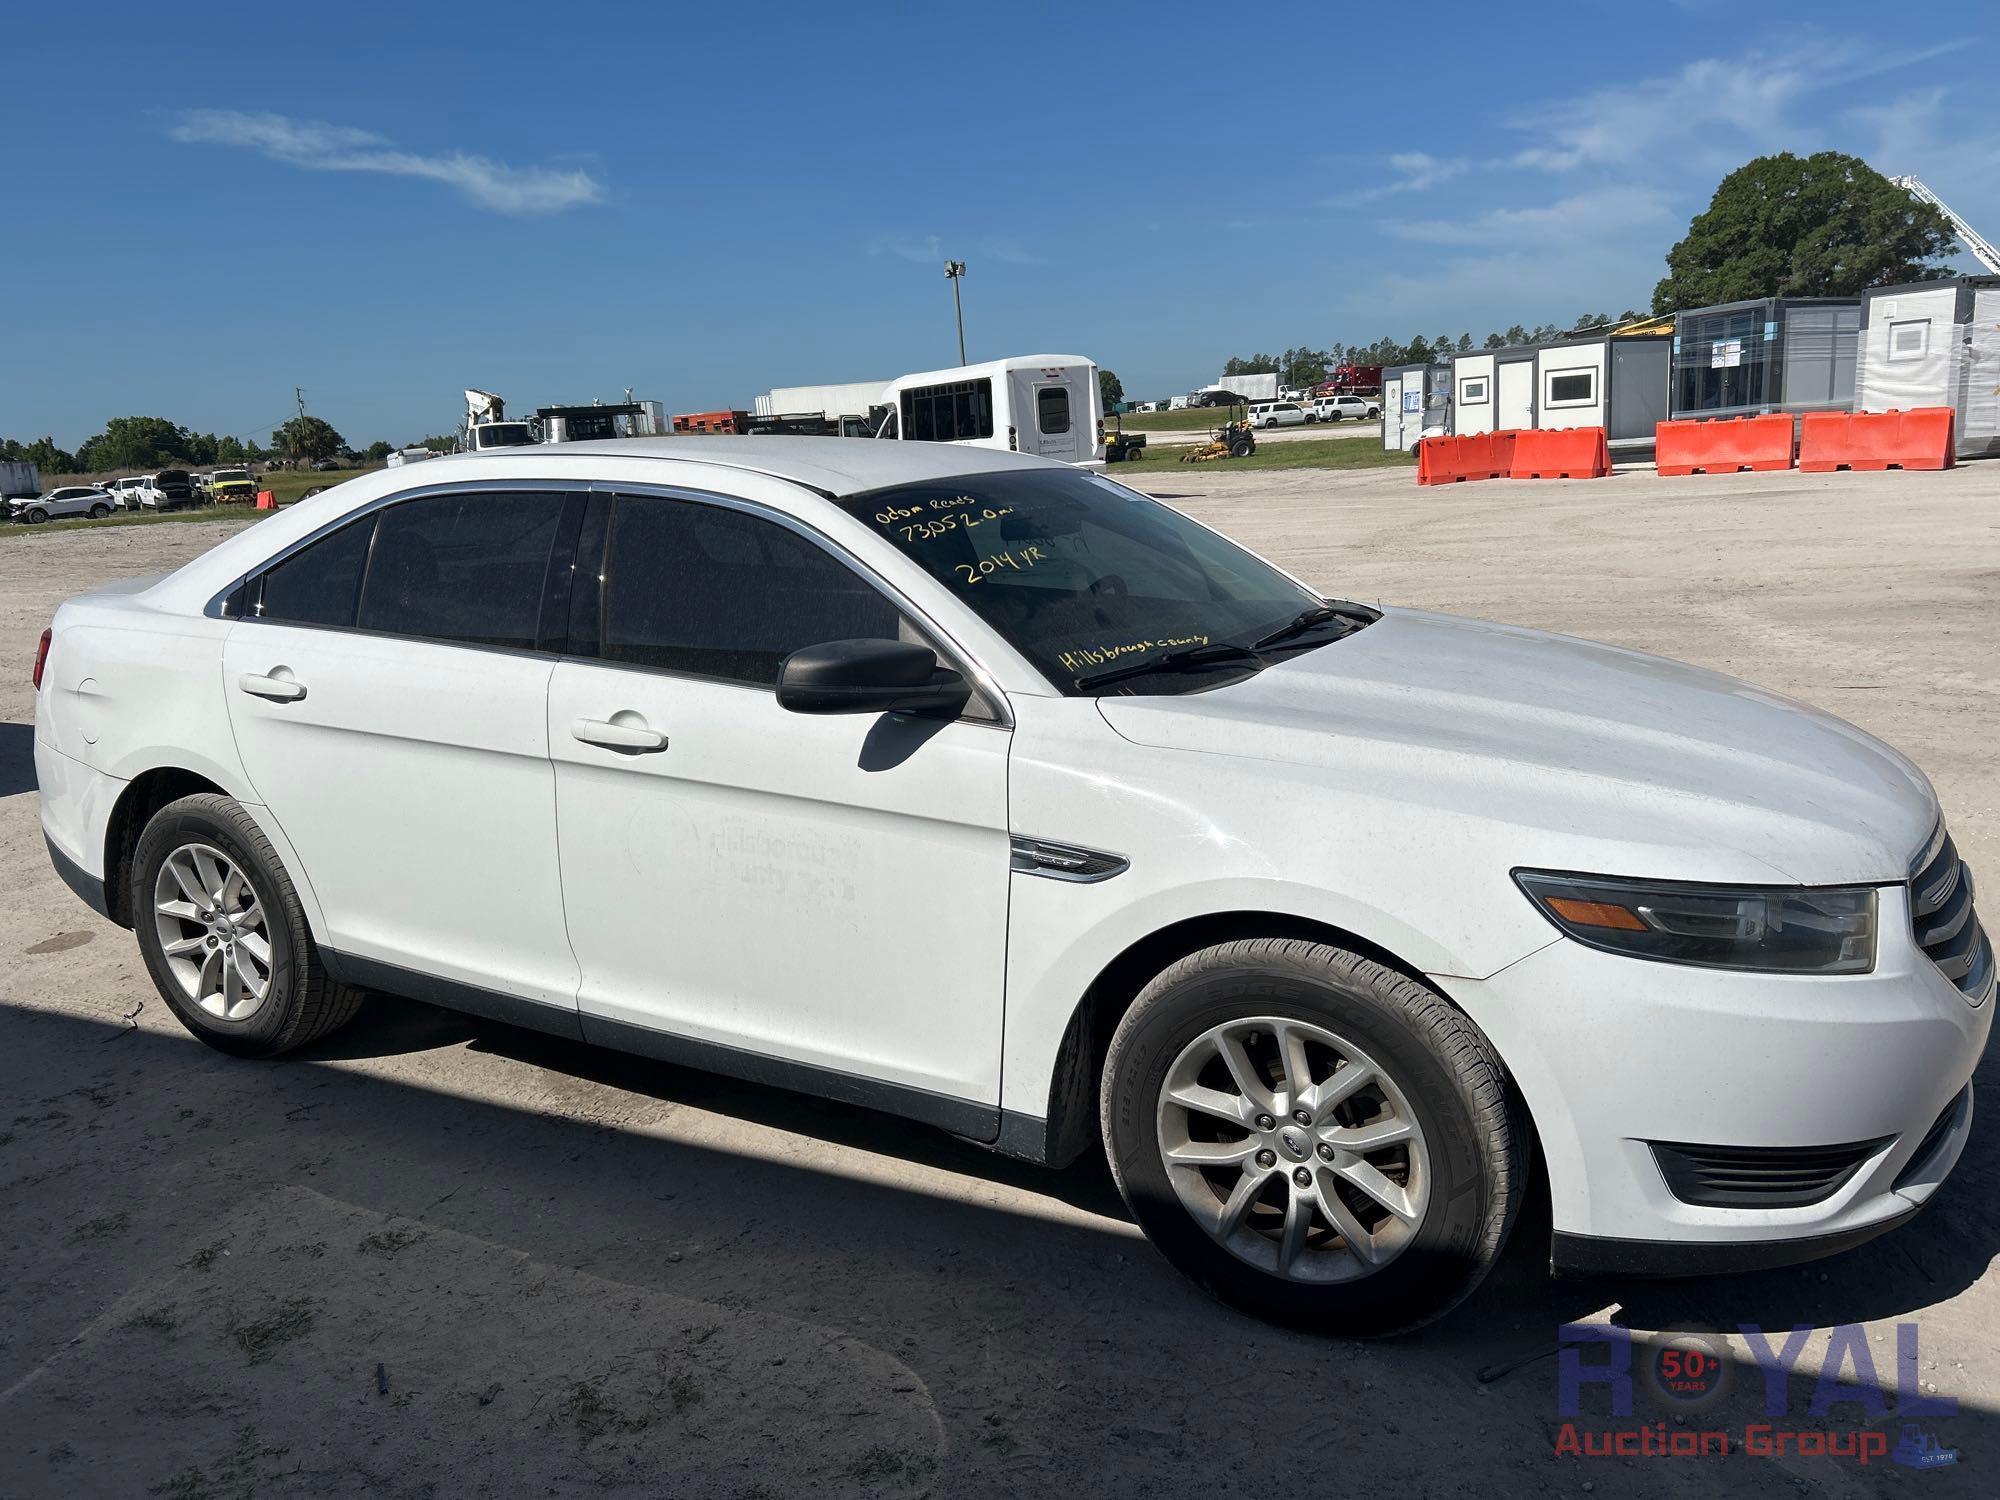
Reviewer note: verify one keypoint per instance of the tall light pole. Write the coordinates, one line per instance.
(953, 269)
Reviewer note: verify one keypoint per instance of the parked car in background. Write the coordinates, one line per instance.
(231, 486)
(170, 489)
(69, 500)
(1340, 408)
(863, 768)
(126, 491)
(1278, 414)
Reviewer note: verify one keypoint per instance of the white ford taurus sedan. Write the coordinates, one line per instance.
(971, 787)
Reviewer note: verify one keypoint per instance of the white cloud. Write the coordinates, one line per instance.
(1582, 216)
(1720, 102)
(1416, 171)
(316, 146)
(910, 247)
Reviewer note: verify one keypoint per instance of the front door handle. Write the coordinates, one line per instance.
(277, 689)
(627, 732)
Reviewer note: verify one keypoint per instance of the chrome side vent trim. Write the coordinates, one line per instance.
(1065, 861)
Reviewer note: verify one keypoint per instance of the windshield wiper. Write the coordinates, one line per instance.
(1185, 659)
(1298, 625)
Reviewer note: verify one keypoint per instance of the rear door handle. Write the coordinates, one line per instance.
(634, 736)
(277, 689)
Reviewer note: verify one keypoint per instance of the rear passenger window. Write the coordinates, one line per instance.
(1052, 408)
(462, 568)
(319, 585)
(713, 592)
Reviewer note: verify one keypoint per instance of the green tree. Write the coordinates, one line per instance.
(230, 450)
(135, 443)
(1825, 225)
(42, 453)
(1110, 389)
(1302, 367)
(307, 440)
(379, 450)
(1256, 364)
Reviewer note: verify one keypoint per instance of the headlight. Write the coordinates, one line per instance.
(1781, 931)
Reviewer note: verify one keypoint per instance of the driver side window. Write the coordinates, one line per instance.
(707, 591)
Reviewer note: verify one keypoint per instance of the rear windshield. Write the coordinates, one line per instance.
(1080, 574)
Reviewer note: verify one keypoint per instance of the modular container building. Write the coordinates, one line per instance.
(1618, 383)
(1772, 354)
(1416, 401)
(1935, 343)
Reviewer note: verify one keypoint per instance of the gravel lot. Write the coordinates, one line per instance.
(438, 1256)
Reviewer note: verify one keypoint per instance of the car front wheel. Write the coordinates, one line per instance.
(1315, 1138)
(223, 935)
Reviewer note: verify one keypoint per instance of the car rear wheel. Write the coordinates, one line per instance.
(223, 935)
(1315, 1138)
(99, 511)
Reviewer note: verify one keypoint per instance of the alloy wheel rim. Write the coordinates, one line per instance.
(1293, 1149)
(212, 931)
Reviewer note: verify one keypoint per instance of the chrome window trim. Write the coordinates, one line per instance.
(968, 663)
(213, 609)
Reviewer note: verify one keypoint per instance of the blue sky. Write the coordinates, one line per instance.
(208, 205)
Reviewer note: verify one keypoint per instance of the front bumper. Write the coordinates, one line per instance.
(1613, 1053)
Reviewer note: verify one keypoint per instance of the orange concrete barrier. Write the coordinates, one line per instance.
(267, 500)
(1568, 453)
(1724, 445)
(1453, 460)
(1871, 440)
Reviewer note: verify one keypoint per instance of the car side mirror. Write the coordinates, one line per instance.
(870, 677)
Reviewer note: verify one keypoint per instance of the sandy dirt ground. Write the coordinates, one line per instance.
(440, 1257)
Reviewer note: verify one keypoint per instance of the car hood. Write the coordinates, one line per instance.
(1584, 748)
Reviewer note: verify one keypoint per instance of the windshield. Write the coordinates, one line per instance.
(506, 435)
(1084, 576)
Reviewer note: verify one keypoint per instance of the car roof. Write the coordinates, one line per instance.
(832, 465)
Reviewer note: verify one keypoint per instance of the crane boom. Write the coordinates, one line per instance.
(1980, 248)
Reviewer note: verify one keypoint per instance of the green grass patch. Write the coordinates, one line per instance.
(1188, 419)
(1325, 453)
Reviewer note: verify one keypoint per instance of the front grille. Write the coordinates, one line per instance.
(1759, 1176)
(1947, 928)
(1940, 1128)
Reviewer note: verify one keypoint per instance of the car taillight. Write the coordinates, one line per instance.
(42, 656)
(1100, 432)
(1013, 440)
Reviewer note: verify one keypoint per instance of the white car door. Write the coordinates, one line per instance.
(389, 704)
(818, 901)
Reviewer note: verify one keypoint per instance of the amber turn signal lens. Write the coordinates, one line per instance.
(1595, 914)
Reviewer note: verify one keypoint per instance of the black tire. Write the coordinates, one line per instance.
(1443, 1066)
(1243, 448)
(99, 511)
(37, 516)
(303, 1002)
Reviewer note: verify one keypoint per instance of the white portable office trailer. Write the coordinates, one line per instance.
(1618, 383)
(1935, 343)
(1416, 403)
